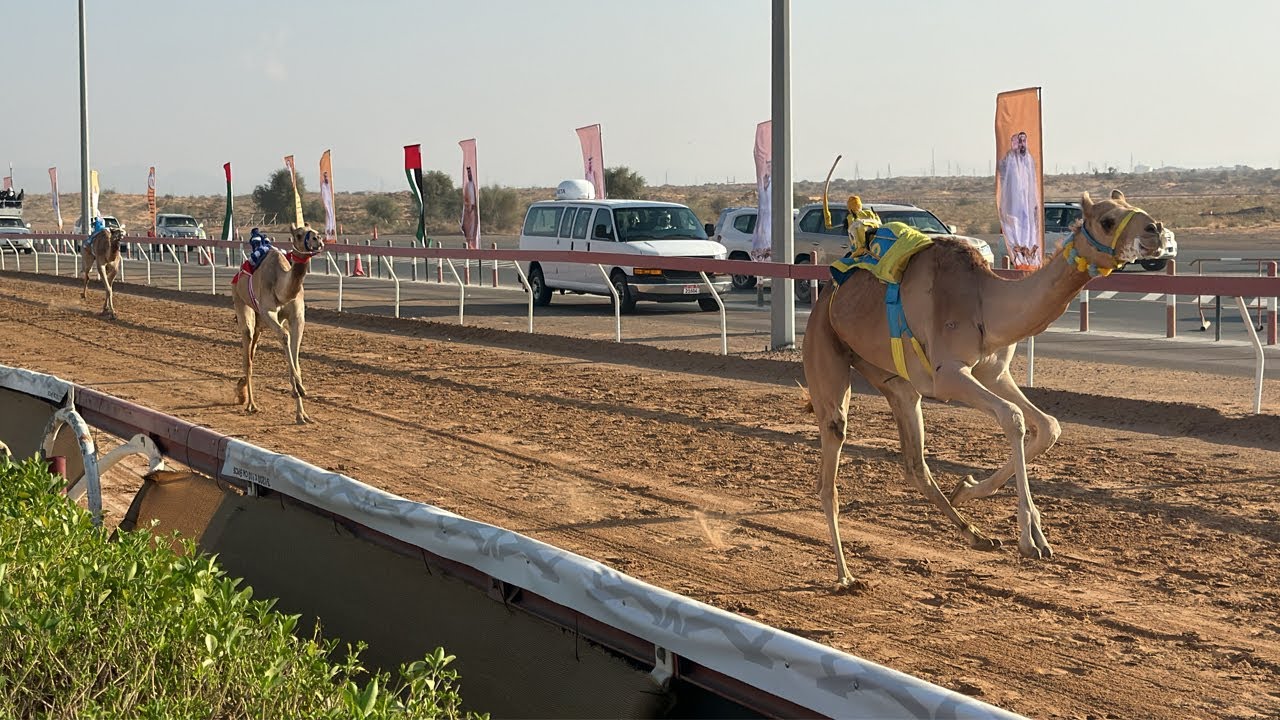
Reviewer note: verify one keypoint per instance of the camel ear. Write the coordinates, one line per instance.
(1117, 195)
(1086, 203)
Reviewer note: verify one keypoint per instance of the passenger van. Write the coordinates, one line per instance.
(576, 222)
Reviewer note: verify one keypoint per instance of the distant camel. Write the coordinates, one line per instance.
(103, 249)
(968, 322)
(273, 294)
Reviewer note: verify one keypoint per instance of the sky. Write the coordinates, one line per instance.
(899, 88)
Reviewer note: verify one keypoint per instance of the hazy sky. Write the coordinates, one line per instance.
(678, 86)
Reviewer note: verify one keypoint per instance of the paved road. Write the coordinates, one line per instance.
(1124, 329)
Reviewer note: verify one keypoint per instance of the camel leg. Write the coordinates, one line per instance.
(273, 319)
(295, 346)
(827, 372)
(246, 320)
(88, 268)
(1046, 431)
(904, 401)
(955, 382)
(108, 276)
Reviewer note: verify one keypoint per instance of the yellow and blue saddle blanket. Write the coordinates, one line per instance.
(886, 255)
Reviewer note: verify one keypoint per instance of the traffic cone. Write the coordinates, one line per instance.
(359, 271)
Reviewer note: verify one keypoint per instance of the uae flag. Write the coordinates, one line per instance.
(228, 220)
(413, 172)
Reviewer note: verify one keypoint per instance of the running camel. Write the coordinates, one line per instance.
(103, 250)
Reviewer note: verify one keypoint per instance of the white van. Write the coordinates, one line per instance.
(577, 222)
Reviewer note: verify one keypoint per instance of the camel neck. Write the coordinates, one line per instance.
(1017, 309)
(297, 273)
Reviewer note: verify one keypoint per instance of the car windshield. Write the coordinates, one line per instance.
(11, 222)
(922, 220)
(179, 221)
(657, 223)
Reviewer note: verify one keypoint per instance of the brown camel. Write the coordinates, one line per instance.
(273, 295)
(103, 250)
(968, 321)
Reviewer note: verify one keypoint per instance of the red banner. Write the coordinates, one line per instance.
(593, 158)
(470, 194)
(1020, 176)
(762, 238)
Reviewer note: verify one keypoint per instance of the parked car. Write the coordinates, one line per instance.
(735, 229)
(110, 220)
(1060, 216)
(176, 225)
(576, 222)
(15, 235)
(811, 233)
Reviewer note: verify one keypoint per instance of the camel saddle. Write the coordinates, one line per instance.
(886, 257)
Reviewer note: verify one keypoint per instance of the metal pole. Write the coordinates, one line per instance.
(782, 311)
(84, 127)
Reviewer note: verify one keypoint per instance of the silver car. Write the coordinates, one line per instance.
(15, 235)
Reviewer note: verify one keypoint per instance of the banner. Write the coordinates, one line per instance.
(326, 197)
(53, 192)
(593, 158)
(1020, 176)
(8, 183)
(413, 171)
(228, 220)
(762, 238)
(297, 199)
(151, 197)
(470, 194)
(93, 199)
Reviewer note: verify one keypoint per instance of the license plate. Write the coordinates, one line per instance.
(692, 289)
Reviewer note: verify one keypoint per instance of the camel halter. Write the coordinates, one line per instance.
(1082, 263)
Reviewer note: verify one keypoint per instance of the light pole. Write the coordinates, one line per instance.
(782, 318)
(84, 128)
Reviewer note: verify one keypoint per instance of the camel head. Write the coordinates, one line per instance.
(1114, 227)
(117, 235)
(306, 241)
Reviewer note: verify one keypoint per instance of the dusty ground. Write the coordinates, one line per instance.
(695, 473)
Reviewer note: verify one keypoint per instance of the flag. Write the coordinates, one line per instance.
(8, 182)
(326, 197)
(93, 198)
(297, 199)
(593, 158)
(228, 220)
(53, 192)
(151, 197)
(1020, 176)
(762, 238)
(470, 194)
(413, 171)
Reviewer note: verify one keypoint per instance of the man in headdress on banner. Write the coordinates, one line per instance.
(1020, 202)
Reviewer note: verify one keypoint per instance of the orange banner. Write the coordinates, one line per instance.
(593, 158)
(470, 194)
(1020, 176)
(151, 197)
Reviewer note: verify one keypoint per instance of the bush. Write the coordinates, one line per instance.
(382, 210)
(97, 629)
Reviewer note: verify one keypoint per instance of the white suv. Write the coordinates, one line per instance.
(735, 229)
(1060, 216)
(15, 235)
(178, 226)
(576, 222)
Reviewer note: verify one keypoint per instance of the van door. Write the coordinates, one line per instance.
(602, 239)
(583, 275)
(540, 232)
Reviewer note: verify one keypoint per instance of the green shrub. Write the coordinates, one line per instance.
(92, 628)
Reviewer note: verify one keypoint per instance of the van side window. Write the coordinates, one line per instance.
(542, 221)
(745, 223)
(603, 229)
(566, 225)
(581, 226)
(812, 222)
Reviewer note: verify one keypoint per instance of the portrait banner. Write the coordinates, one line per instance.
(593, 158)
(326, 197)
(228, 218)
(53, 192)
(1020, 176)
(8, 183)
(762, 237)
(93, 198)
(470, 194)
(413, 173)
(297, 199)
(151, 197)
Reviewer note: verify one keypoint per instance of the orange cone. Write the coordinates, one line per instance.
(359, 271)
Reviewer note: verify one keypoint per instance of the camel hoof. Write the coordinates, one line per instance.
(1035, 552)
(978, 541)
(303, 419)
(851, 586)
(251, 409)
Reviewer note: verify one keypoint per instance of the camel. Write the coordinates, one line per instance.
(968, 321)
(103, 250)
(273, 295)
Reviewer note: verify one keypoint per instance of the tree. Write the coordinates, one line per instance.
(440, 198)
(382, 210)
(499, 208)
(623, 182)
(276, 196)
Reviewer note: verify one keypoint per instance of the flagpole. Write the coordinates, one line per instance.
(783, 299)
(84, 126)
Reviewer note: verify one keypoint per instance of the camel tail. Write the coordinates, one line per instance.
(808, 399)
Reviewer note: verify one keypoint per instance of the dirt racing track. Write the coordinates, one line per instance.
(695, 472)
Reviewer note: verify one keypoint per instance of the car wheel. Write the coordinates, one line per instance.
(626, 301)
(28, 251)
(804, 294)
(742, 282)
(1153, 265)
(538, 287)
(710, 304)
